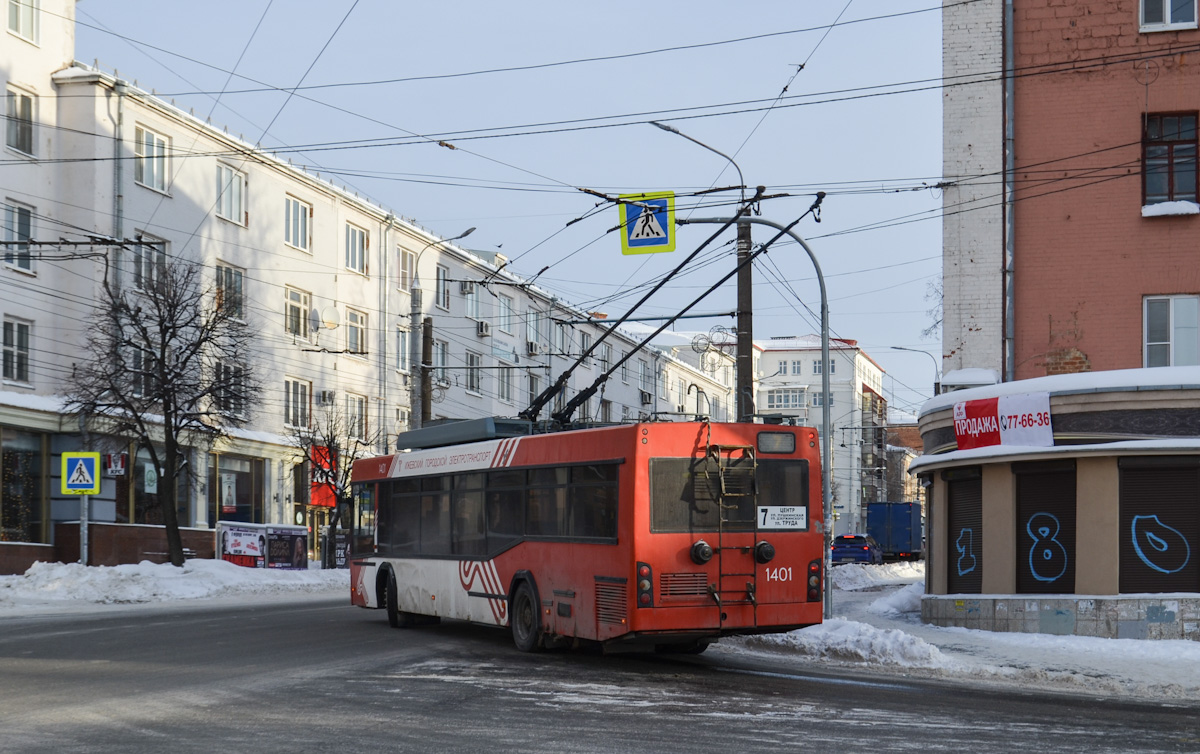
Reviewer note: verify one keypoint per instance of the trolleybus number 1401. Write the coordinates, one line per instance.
(783, 573)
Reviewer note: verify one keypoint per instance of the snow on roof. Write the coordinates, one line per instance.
(1001, 452)
(1134, 380)
(52, 404)
(970, 377)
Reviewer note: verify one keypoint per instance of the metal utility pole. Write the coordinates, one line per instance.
(425, 373)
(745, 324)
(418, 409)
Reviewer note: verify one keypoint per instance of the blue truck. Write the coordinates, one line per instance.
(898, 528)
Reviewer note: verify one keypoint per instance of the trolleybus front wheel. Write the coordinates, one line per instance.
(526, 619)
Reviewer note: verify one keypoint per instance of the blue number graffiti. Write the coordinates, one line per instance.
(1047, 555)
(966, 551)
(1159, 546)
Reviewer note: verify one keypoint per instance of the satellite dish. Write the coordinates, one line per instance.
(314, 320)
(330, 318)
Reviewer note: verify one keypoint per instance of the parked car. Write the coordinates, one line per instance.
(855, 548)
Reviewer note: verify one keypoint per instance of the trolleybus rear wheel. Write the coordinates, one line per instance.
(525, 618)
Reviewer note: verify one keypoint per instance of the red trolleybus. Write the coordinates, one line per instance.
(668, 534)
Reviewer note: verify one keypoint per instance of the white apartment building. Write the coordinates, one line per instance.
(789, 371)
(322, 274)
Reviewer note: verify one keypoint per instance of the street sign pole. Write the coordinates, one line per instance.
(81, 476)
(83, 529)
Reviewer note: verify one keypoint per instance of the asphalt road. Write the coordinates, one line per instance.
(323, 676)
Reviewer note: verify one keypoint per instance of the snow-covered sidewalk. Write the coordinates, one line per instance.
(877, 626)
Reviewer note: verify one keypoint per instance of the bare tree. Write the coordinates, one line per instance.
(934, 295)
(330, 444)
(167, 364)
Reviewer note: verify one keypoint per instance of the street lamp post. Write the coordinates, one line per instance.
(419, 367)
(826, 419)
(937, 386)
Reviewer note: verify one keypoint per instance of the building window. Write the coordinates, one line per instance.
(1161, 15)
(817, 400)
(19, 111)
(16, 350)
(504, 383)
(229, 290)
(356, 416)
(605, 411)
(296, 217)
(356, 249)
(585, 342)
(23, 18)
(606, 357)
(230, 388)
(797, 367)
(1169, 158)
(408, 264)
(535, 387)
(442, 295)
(149, 263)
(505, 318)
(143, 373)
(644, 376)
(817, 367)
(356, 332)
(441, 357)
(785, 398)
(1172, 326)
(296, 396)
(231, 194)
(18, 230)
(474, 372)
(533, 325)
(295, 312)
(402, 354)
(624, 368)
(471, 299)
(150, 166)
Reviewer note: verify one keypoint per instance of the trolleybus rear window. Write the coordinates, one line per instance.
(684, 492)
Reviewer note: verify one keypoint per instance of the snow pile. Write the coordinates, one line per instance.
(841, 639)
(72, 583)
(899, 602)
(854, 577)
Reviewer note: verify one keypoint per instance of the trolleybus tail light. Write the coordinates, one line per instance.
(814, 581)
(645, 585)
(764, 552)
(702, 552)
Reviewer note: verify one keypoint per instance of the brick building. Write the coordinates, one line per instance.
(1070, 228)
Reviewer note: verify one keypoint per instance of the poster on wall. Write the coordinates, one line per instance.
(287, 547)
(1022, 419)
(228, 493)
(243, 545)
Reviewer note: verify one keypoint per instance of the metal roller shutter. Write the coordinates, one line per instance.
(964, 544)
(1160, 526)
(1045, 530)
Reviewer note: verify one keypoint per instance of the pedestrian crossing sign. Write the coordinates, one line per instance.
(80, 473)
(647, 222)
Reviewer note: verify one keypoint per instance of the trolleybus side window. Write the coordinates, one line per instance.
(593, 502)
(435, 516)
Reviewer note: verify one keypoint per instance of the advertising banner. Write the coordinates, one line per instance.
(1022, 419)
(242, 544)
(287, 547)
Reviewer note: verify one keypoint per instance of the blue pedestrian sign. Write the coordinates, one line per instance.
(80, 473)
(647, 222)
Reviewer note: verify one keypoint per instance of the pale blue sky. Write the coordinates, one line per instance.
(877, 279)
